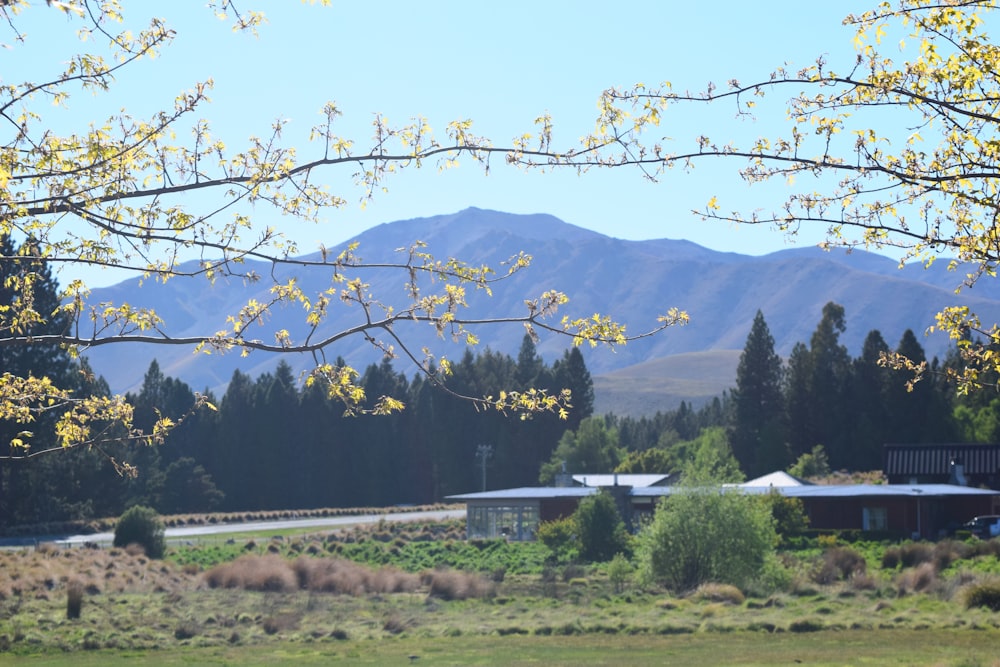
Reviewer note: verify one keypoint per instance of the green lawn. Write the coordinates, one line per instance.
(945, 648)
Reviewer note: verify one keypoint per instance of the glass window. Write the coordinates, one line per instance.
(875, 518)
(514, 522)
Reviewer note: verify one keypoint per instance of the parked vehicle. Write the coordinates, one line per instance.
(984, 527)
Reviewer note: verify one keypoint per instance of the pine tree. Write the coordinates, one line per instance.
(816, 392)
(801, 434)
(871, 421)
(571, 373)
(920, 413)
(757, 434)
(25, 485)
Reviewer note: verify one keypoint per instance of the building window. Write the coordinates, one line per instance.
(875, 518)
(514, 522)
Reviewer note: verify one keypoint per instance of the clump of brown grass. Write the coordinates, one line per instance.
(982, 594)
(947, 552)
(920, 579)
(334, 575)
(135, 549)
(325, 575)
(30, 572)
(280, 623)
(839, 563)
(456, 585)
(725, 593)
(267, 573)
(912, 554)
(862, 581)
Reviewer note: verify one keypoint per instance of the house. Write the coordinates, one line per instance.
(516, 513)
(924, 510)
(964, 464)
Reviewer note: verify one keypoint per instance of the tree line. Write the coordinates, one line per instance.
(273, 443)
(818, 410)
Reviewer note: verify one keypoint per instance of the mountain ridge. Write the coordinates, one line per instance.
(632, 281)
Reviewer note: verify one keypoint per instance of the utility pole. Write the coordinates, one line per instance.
(483, 454)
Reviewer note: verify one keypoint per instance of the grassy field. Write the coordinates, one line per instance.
(380, 594)
(945, 648)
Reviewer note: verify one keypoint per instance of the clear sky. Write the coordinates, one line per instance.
(501, 64)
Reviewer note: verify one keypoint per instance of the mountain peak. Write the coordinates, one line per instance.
(631, 281)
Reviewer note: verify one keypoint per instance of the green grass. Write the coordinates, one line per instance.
(942, 648)
(155, 612)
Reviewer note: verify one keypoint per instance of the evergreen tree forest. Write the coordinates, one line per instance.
(272, 443)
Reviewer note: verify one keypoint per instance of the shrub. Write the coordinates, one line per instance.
(984, 594)
(706, 534)
(559, 536)
(141, 525)
(789, 514)
(619, 572)
(599, 527)
(826, 540)
(74, 599)
(573, 571)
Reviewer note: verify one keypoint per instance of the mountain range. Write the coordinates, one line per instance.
(632, 281)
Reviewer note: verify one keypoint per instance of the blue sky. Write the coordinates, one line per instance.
(500, 64)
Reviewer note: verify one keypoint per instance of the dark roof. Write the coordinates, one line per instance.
(936, 459)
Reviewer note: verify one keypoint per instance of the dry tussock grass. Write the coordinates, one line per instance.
(49, 568)
(839, 563)
(456, 585)
(322, 575)
(725, 593)
(920, 579)
(268, 573)
(334, 575)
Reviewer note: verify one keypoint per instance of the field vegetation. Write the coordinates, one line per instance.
(419, 581)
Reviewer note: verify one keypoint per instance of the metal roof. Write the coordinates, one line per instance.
(529, 493)
(624, 479)
(778, 478)
(936, 459)
(804, 491)
(844, 490)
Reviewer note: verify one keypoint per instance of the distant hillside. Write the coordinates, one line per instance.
(661, 384)
(632, 281)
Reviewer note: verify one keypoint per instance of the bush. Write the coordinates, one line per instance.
(707, 534)
(74, 599)
(619, 572)
(984, 594)
(559, 536)
(789, 514)
(141, 525)
(600, 528)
